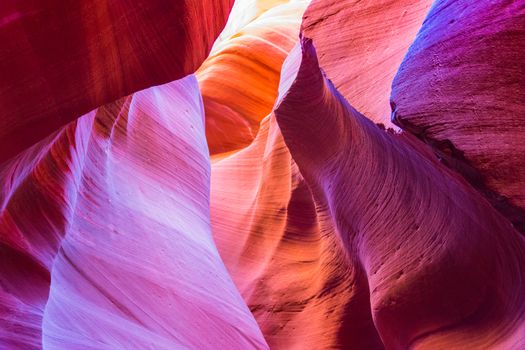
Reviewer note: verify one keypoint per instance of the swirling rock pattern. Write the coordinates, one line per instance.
(239, 80)
(461, 89)
(282, 254)
(255, 204)
(361, 44)
(100, 242)
(265, 223)
(444, 268)
(59, 60)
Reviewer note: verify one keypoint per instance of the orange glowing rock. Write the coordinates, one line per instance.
(239, 80)
(284, 258)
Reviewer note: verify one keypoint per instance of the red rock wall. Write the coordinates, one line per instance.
(62, 59)
(256, 204)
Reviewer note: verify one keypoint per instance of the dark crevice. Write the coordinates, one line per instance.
(452, 157)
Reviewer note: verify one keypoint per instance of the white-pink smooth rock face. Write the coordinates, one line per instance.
(256, 204)
(136, 266)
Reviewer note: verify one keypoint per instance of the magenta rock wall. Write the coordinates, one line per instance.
(262, 174)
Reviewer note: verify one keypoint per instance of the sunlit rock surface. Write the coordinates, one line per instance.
(257, 205)
(109, 222)
(283, 257)
(239, 80)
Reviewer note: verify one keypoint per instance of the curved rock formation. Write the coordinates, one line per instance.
(59, 60)
(444, 269)
(328, 230)
(111, 216)
(239, 80)
(461, 89)
(282, 255)
(244, 12)
(361, 44)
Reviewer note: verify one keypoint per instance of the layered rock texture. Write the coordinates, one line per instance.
(210, 175)
(94, 256)
(360, 45)
(444, 235)
(461, 89)
(62, 59)
(240, 78)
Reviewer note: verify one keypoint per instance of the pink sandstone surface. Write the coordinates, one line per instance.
(164, 185)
